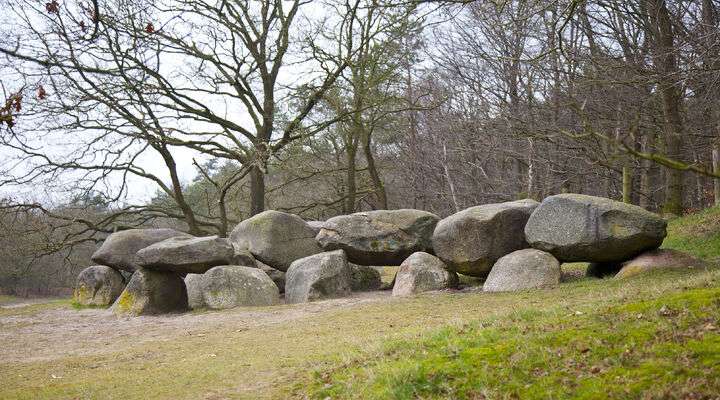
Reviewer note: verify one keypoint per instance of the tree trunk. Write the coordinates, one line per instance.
(257, 190)
(531, 170)
(374, 175)
(627, 175)
(645, 174)
(448, 177)
(178, 195)
(351, 184)
(665, 62)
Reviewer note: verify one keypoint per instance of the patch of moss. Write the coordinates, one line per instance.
(125, 303)
(80, 295)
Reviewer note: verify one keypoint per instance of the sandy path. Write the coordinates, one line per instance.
(62, 331)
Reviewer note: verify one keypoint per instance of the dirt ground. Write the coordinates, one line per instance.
(44, 335)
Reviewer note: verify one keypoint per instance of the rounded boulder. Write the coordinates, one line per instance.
(523, 269)
(470, 241)
(230, 286)
(275, 238)
(98, 285)
(422, 272)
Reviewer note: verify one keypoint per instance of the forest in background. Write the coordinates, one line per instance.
(333, 109)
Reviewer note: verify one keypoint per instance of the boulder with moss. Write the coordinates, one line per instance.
(98, 285)
(364, 278)
(151, 293)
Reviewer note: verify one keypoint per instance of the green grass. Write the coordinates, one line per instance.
(665, 347)
(32, 308)
(697, 234)
(651, 336)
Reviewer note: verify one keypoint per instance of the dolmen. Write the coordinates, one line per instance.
(515, 245)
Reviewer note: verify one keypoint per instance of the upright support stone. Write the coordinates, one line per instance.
(152, 292)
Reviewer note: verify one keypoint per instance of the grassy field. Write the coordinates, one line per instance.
(653, 336)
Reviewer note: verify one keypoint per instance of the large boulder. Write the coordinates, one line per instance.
(660, 259)
(187, 255)
(381, 237)
(422, 272)
(320, 276)
(152, 292)
(276, 275)
(576, 227)
(523, 269)
(119, 249)
(470, 241)
(193, 284)
(231, 286)
(364, 278)
(98, 285)
(276, 238)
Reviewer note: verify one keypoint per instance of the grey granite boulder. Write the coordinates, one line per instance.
(381, 237)
(576, 227)
(320, 276)
(364, 278)
(523, 269)
(119, 249)
(190, 255)
(152, 292)
(470, 241)
(422, 272)
(231, 286)
(98, 285)
(275, 238)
